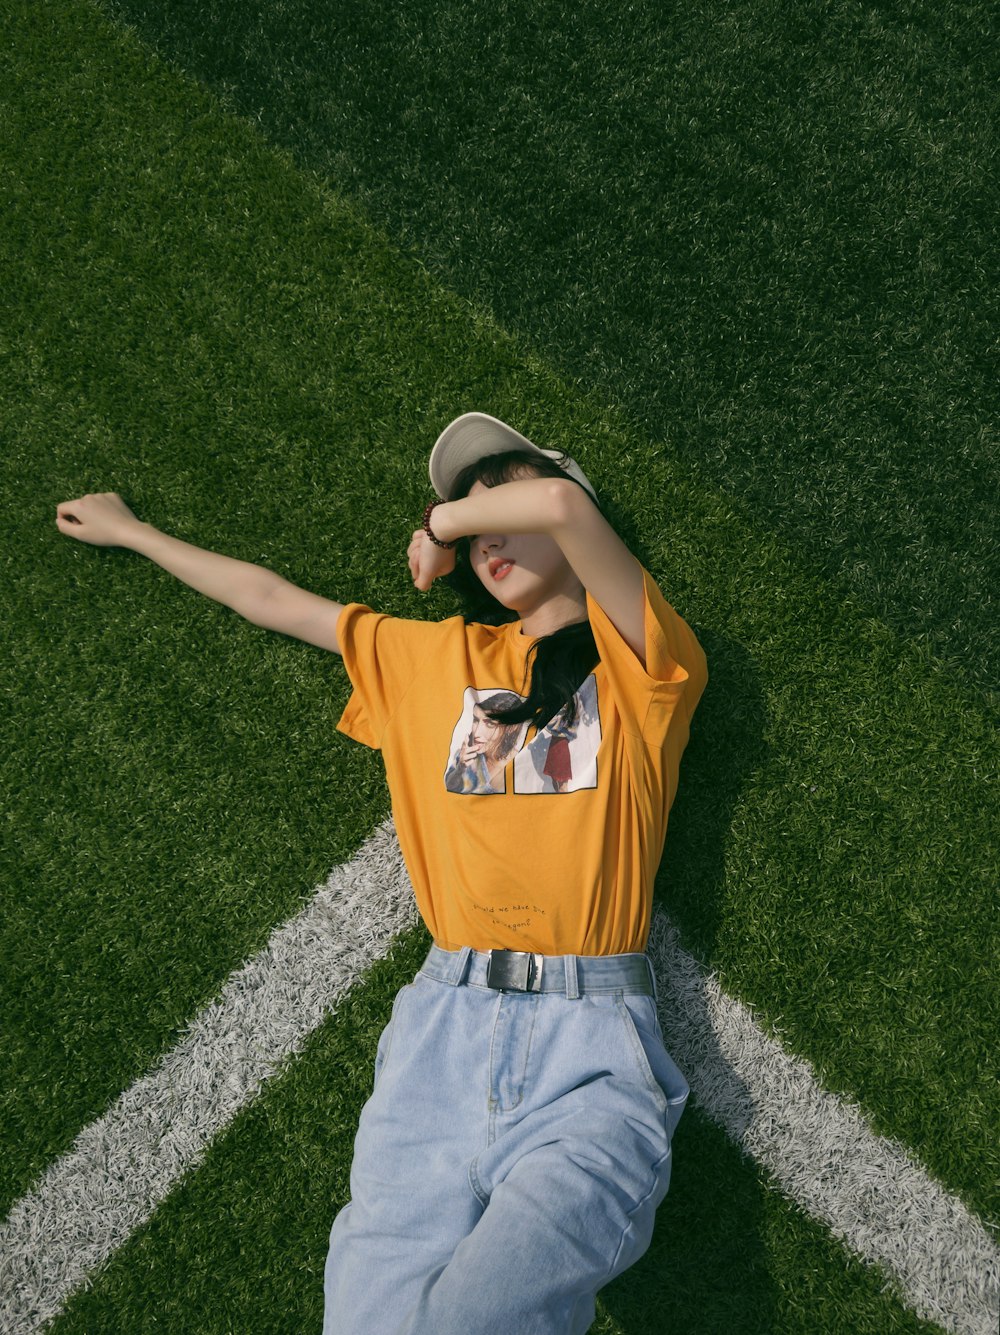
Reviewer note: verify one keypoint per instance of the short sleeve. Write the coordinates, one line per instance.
(383, 656)
(676, 670)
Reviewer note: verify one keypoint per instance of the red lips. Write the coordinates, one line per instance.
(495, 563)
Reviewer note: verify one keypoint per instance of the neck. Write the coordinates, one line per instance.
(562, 610)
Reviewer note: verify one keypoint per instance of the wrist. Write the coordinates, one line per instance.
(432, 525)
(137, 535)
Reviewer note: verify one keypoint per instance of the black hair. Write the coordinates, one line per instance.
(558, 663)
(498, 701)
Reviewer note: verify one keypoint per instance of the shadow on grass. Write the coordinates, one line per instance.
(705, 220)
(707, 1266)
(725, 750)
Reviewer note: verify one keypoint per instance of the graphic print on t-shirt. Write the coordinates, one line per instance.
(560, 758)
(480, 746)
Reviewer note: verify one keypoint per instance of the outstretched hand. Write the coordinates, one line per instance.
(102, 519)
(427, 560)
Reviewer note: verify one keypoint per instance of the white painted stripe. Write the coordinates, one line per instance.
(821, 1153)
(868, 1190)
(122, 1166)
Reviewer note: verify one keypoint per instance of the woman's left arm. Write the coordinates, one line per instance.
(605, 567)
(601, 561)
(528, 505)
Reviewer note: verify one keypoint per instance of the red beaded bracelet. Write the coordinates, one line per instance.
(427, 526)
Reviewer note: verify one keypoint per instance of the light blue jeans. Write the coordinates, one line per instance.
(512, 1155)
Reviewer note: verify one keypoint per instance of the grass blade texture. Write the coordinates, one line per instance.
(765, 230)
(197, 321)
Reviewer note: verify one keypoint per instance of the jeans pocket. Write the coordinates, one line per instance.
(385, 1038)
(657, 1067)
(631, 1009)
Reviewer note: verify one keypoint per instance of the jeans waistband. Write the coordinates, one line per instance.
(572, 975)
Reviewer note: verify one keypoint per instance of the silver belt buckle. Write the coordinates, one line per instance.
(513, 970)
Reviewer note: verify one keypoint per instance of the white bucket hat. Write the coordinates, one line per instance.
(474, 435)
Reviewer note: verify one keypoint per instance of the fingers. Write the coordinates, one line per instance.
(96, 518)
(427, 562)
(72, 509)
(414, 552)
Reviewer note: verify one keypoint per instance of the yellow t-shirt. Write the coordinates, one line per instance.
(513, 838)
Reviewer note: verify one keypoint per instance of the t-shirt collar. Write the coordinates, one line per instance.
(520, 643)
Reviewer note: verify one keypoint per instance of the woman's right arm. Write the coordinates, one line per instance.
(256, 593)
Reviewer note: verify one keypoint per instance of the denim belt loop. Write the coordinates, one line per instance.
(462, 965)
(652, 979)
(572, 984)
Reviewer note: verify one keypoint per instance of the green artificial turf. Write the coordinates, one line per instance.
(765, 230)
(195, 322)
(240, 1245)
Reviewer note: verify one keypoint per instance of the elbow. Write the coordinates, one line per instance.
(565, 498)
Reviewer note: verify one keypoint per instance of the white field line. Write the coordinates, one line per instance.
(122, 1166)
(821, 1154)
(868, 1190)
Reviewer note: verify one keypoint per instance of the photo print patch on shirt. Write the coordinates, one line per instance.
(560, 758)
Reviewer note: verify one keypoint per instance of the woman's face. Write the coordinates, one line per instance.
(485, 731)
(538, 572)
